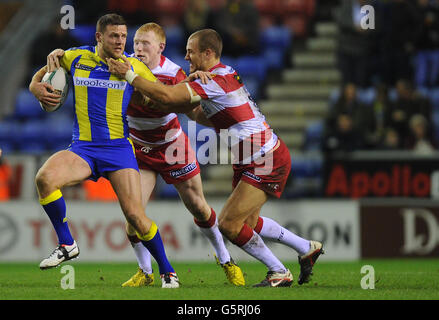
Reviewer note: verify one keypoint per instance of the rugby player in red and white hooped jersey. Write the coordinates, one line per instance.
(227, 104)
(152, 132)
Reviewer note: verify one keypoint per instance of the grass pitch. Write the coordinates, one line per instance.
(394, 279)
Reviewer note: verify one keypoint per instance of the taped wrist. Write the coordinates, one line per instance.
(194, 98)
(130, 76)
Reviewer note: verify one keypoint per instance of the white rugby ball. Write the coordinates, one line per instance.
(60, 82)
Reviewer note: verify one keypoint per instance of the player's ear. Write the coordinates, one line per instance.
(209, 53)
(98, 37)
(162, 46)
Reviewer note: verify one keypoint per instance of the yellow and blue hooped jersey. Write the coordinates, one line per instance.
(100, 98)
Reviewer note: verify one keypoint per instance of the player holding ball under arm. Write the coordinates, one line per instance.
(100, 144)
(227, 104)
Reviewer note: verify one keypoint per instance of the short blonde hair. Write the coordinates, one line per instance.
(154, 27)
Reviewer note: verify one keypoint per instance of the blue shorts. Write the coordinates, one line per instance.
(103, 157)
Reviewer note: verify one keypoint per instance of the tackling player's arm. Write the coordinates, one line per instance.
(181, 94)
(198, 115)
(43, 91)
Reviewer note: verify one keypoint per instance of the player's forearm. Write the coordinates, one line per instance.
(38, 76)
(198, 116)
(159, 92)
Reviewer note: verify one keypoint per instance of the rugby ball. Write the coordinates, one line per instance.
(60, 82)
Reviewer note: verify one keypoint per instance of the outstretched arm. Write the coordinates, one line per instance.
(181, 94)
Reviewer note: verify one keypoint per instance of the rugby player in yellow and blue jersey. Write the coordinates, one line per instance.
(100, 143)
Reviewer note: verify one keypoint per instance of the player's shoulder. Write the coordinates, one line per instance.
(81, 49)
(222, 70)
(169, 67)
(133, 59)
(136, 63)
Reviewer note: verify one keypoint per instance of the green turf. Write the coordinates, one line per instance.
(395, 279)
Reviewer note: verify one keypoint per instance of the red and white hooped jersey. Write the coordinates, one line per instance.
(227, 103)
(152, 126)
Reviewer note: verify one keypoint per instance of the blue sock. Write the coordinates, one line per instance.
(156, 248)
(55, 207)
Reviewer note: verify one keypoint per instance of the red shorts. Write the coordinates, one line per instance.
(269, 176)
(174, 161)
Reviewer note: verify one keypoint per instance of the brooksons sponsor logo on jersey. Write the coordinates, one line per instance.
(99, 83)
(183, 171)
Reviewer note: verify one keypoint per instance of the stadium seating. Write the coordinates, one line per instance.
(251, 66)
(314, 135)
(175, 37)
(8, 134)
(85, 34)
(26, 106)
(59, 131)
(167, 191)
(275, 41)
(434, 98)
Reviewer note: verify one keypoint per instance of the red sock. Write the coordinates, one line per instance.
(209, 223)
(259, 225)
(244, 236)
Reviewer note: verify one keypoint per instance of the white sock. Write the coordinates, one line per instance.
(274, 231)
(257, 249)
(143, 257)
(216, 239)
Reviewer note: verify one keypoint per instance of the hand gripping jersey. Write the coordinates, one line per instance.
(101, 99)
(152, 126)
(236, 117)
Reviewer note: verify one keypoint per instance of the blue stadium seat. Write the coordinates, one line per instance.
(31, 137)
(7, 147)
(85, 34)
(59, 131)
(275, 41)
(32, 131)
(314, 135)
(435, 121)
(168, 191)
(8, 131)
(333, 97)
(274, 57)
(174, 37)
(34, 148)
(434, 98)
(367, 95)
(228, 61)
(276, 37)
(27, 106)
(251, 66)
(306, 167)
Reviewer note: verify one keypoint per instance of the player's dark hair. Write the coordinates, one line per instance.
(209, 39)
(108, 20)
